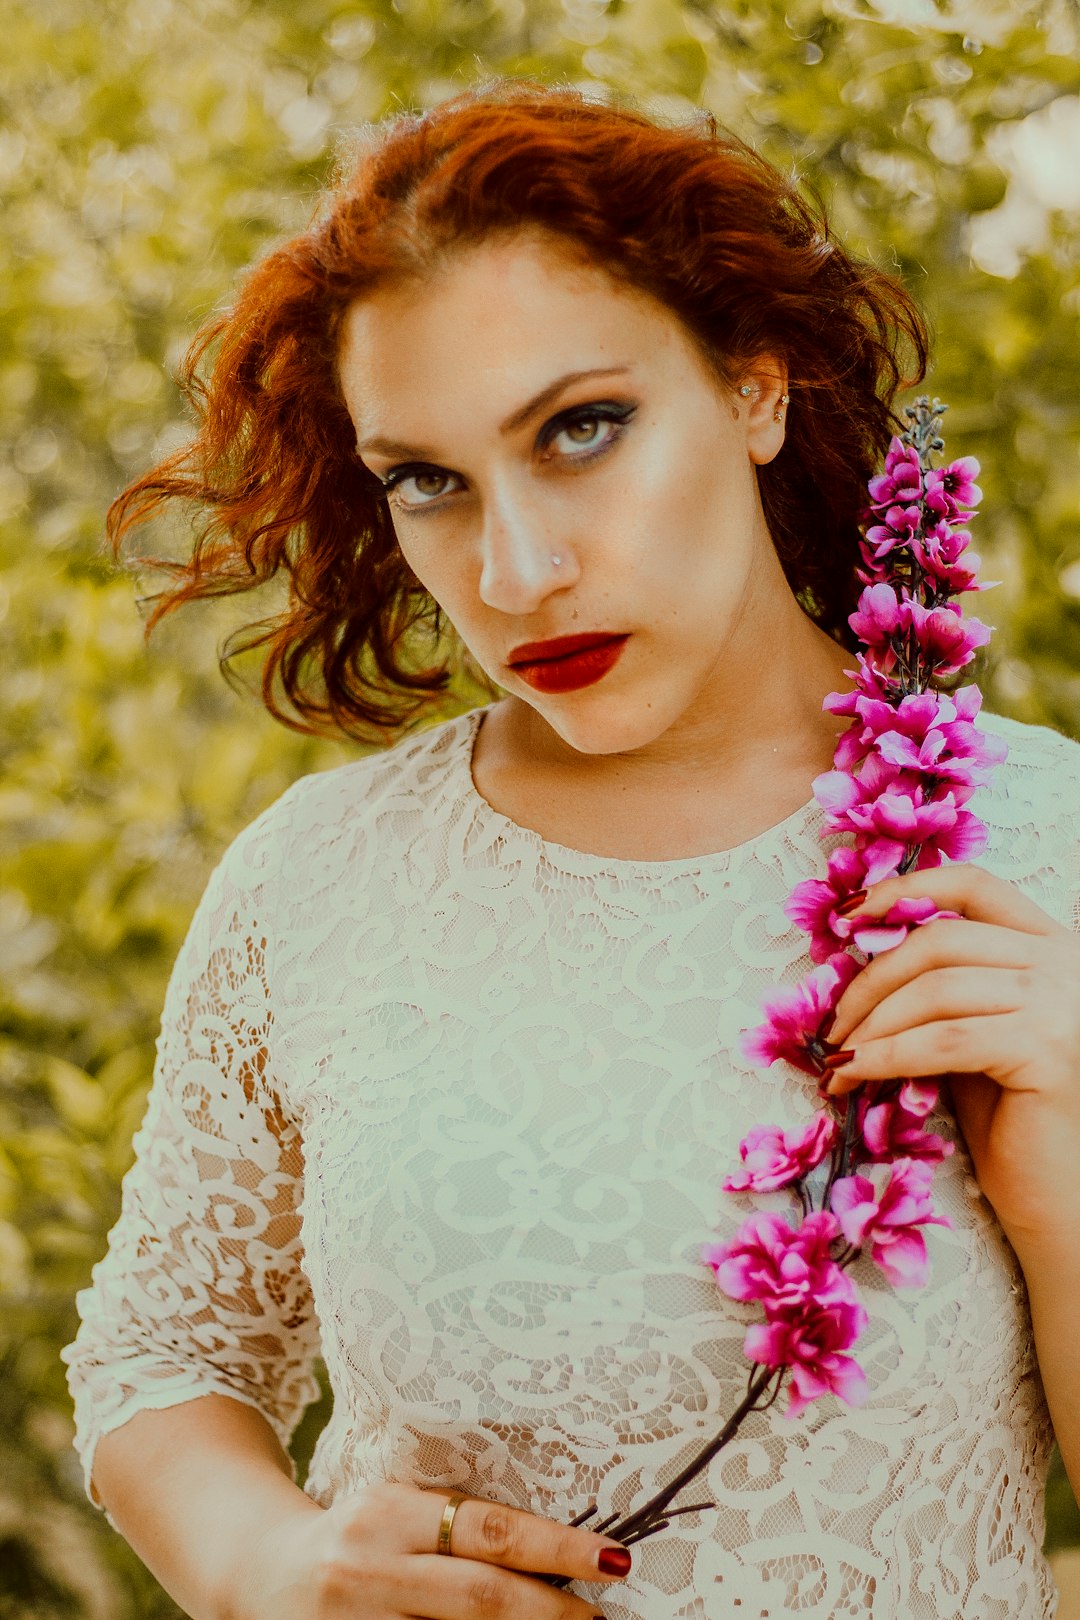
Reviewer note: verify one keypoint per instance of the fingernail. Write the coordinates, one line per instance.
(613, 1561)
(836, 1060)
(852, 903)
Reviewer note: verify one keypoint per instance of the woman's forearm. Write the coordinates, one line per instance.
(193, 1490)
(1053, 1283)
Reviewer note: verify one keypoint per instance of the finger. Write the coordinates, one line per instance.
(943, 993)
(962, 886)
(492, 1533)
(454, 1588)
(994, 1045)
(940, 944)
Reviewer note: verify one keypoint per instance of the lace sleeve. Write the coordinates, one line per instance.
(202, 1289)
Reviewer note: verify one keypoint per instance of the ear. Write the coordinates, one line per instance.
(760, 402)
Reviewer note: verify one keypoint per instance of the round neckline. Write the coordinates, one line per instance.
(586, 862)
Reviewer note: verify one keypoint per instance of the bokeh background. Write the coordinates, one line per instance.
(151, 148)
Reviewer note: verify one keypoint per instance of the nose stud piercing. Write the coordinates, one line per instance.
(556, 561)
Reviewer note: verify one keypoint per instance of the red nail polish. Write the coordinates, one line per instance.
(613, 1561)
(852, 903)
(836, 1060)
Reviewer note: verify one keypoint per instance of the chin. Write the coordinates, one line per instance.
(618, 726)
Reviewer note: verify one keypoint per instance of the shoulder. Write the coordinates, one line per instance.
(1041, 769)
(1031, 808)
(335, 809)
(412, 769)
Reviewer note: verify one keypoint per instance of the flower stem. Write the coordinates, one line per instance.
(643, 1519)
(656, 1513)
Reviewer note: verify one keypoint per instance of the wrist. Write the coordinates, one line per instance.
(272, 1566)
(1047, 1253)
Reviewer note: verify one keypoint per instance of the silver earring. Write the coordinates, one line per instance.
(556, 561)
(746, 390)
(778, 413)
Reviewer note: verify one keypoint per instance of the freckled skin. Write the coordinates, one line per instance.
(661, 535)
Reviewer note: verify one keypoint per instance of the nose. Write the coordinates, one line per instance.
(517, 543)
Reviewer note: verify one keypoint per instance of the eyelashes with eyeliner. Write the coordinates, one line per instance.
(613, 411)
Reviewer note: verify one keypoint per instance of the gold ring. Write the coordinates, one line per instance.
(453, 1502)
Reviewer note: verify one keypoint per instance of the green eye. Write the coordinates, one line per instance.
(584, 431)
(581, 427)
(429, 483)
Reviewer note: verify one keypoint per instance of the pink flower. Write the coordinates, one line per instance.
(901, 525)
(839, 793)
(796, 1016)
(916, 717)
(902, 478)
(942, 553)
(929, 735)
(811, 1344)
(952, 489)
(959, 837)
(878, 617)
(870, 681)
(783, 1268)
(879, 934)
(775, 1158)
(904, 770)
(929, 759)
(943, 758)
(946, 640)
(886, 1220)
(979, 751)
(886, 809)
(919, 1097)
(893, 1130)
(812, 904)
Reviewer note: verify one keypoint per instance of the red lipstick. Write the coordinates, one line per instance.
(568, 662)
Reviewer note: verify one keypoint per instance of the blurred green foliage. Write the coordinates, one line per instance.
(151, 148)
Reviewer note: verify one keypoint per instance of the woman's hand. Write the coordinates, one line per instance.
(372, 1556)
(991, 1000)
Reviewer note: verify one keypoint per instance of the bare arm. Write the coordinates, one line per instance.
(1013, 1065)
(1053, 1281)
(198, 1337)
(193, 1489)
(202, 1492)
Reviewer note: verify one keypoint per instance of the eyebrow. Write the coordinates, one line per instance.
(395, 447)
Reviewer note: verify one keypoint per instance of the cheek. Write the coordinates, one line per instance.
(695, 485)
(429, 565)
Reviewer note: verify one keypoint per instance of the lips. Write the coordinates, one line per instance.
(532, 652)
(573, 667)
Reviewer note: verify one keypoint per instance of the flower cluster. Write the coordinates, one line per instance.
(904, 772)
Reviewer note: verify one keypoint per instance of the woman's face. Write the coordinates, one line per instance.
(520, 405)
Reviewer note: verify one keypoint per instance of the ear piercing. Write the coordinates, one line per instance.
(556, 561)
(747, 389)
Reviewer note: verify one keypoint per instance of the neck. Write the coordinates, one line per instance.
(762, 720)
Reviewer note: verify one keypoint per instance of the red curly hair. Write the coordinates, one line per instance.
(690, 215)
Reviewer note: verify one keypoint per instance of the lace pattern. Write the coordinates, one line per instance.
(451, 1104)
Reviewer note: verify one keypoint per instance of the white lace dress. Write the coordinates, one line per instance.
(450, 1105)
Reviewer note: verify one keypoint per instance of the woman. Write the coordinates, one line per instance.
(606, 396)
